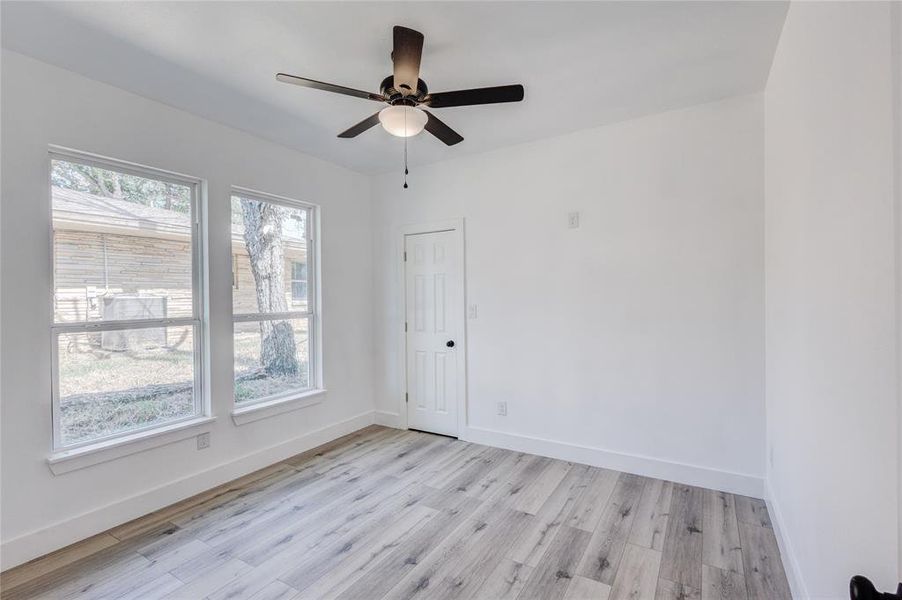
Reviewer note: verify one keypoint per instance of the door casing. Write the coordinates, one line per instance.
(457, 226)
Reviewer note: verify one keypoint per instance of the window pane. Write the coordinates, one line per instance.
(115, 381)
(268, 241)
(298, 291)
(299, 271)
(122, 245)
(271, 358)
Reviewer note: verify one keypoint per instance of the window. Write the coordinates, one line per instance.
(127, 325)
(275, 313)
(298, 282)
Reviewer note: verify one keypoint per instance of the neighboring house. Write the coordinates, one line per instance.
(125, 256)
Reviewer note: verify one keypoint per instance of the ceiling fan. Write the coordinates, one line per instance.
(405, 93)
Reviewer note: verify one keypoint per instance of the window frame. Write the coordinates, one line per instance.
(197, 321)
(312, 313)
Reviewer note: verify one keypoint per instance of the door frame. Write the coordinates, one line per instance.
(457, 226)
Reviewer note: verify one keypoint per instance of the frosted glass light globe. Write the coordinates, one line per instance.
(403, 121)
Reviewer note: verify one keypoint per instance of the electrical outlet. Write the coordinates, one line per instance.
(502, 409)
(472, 311)
(573, 220)
(203, 441)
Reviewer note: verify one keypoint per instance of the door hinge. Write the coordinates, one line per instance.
(405, 256)
(405, 397)
(405, 325)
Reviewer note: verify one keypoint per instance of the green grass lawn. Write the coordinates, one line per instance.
(104, 392)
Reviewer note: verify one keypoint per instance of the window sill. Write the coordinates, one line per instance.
(65, 461)
(263, 410)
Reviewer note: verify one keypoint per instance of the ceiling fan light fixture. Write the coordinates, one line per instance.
(403, 121)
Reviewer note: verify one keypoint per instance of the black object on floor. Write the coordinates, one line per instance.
(861, 588)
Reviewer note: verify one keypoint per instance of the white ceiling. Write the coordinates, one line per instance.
(583, 64)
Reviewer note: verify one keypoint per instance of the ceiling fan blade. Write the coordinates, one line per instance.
(406, 54)
(360, 127)
(328, 87)
(442, 131)
(489, 95)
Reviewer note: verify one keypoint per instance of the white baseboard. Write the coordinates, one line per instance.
(726, 481)
(787, 555)
(53, 537)
(388, 419)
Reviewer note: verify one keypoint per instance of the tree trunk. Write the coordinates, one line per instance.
(263, 238)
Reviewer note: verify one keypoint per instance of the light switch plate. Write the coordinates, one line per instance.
(472, 311)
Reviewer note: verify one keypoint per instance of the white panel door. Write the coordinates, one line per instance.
(434, 293)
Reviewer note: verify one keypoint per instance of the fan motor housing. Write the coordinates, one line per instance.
(396, 97)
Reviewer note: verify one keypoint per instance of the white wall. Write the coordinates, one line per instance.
(832, 419)
(896, 11)
(638, 335)
(44, 105)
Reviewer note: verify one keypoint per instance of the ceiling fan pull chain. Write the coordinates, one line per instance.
(405, 163)
(405, 149)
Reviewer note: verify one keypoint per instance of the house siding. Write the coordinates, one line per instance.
(89, 266)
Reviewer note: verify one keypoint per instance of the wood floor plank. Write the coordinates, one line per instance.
(752, 510)
(651, 515)
(92, 570)
(489, 483)
(125, 585)
(211, 581)
(446, 569)
(764, 573)
(282, 515)
(356, 520)
(583, 588)
(508, 494)
(505, 582)
(338, 573)
(682, 554)
(290, 528)
(425, 464)
(56, 560)
(276, 591)
(552, 577)
(637, 576)
(471, 454)
(588, 509)
(469, 575)
(384, 530)
(720, 532)
(536, 493)
(718, 584)
(470, 476)
(385, 573)
(331, 526)
(156, 589)
(532, 543)
(603, 555)
(671, 590)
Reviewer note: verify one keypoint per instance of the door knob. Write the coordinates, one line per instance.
(450, 343)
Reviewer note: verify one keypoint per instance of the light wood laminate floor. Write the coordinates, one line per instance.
(384, 513)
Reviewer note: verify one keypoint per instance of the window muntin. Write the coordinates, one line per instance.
(274, 312)
(127, 311)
